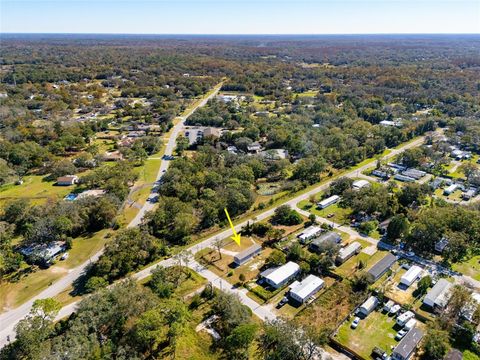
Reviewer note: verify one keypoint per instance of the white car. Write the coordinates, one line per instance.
(401, 334)
(395, 309)
(64, 256)
(355, 323)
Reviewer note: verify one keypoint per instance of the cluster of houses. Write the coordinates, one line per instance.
(450, 186)
(399, 172)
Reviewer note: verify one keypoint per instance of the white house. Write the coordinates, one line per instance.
(280, 276)
(348, 251)
(301, 291)
(309, 233)
(439, 295)
(67, 180)
(450, 189)
(368, 306)
(328, 201)
(360, 184)
(411, 275)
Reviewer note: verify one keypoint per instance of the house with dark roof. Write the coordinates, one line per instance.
(382, 266)
(407, 346)
(331, 237)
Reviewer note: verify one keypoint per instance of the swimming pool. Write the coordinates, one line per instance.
(71, 197)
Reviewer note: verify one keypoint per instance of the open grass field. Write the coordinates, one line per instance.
(375, 330)
(34, 188)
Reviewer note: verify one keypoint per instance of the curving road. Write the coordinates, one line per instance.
(9, 319)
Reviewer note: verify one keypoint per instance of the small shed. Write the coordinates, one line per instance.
(368, 306)
(67, 180)
(360, 184)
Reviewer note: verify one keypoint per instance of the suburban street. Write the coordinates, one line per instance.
(10, 318)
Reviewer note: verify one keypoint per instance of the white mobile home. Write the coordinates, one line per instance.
(247, 254)
(328, 201)
(309, 233)
(347, 252)
(450, 189)
(405, 318)
(301, 291)
(439, 295)
(280, 276)
(360, 184)
(368, 306)
(411, 275)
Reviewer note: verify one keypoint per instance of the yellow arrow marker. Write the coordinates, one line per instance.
(235, 237)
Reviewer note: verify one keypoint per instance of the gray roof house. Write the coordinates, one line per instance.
(330, 237)
(381, 266)
(407, 346)
(242, 257)
(439, 295)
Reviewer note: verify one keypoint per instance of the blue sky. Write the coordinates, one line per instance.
(240, 16)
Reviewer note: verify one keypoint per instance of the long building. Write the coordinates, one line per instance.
(242, 257)
(382, 266)
(303, 290)
(280, 276)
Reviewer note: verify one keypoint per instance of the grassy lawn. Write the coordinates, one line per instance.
(311, 93)
(13, 294)
(337, 214)
(470, 267)
(35, 189)
(455, 196)
(375, 330)
(350, 267)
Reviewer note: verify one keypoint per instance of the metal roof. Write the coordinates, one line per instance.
(382, 265)
(408, 344)
(306, 287)
(283, 272)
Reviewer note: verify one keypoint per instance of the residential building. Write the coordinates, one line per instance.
(254, 148)
(439, 182)
(360, 184)
(405, 318)
(280, 276)
(328, 201)
(403, 178)
(438, 296)
(381, 174)
(67, 180)
(274, 154)
(467, 195)
(414, 173)
(347, 252)
(411, 275)
(468, 310)
(368, 306)
(242, 257)
(90, 193)
(406, 347)
(320, 242)
(113, 156)
(43, 254)
(303, 290)
(450, 189)
(212, 132)
(382, 266)
(309, 233)
(441, 244)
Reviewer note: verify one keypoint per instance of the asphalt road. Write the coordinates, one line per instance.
(10, 318)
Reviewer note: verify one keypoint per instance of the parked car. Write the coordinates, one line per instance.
(355, 323)
(395, 309)
(401, 334)
(64, 256)
(282, 302)
(388, 306)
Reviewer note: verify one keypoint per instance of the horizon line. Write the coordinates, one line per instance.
(235, 34)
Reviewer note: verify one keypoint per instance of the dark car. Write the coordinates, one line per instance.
(282, 302)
